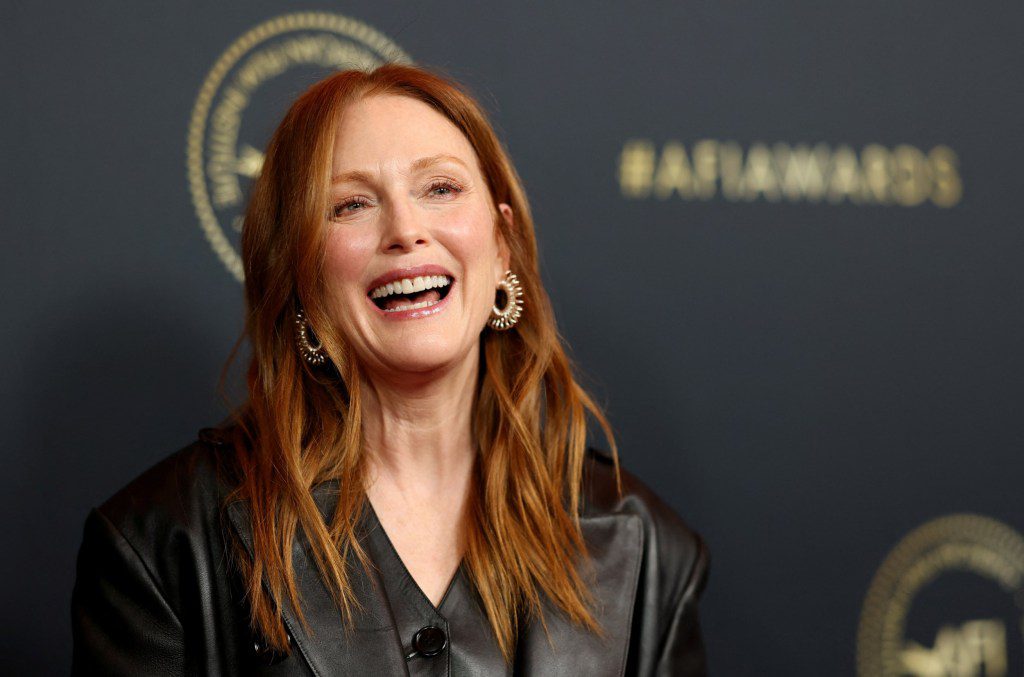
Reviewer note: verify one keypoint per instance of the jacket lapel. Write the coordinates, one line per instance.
(615, 544)
(371, 645)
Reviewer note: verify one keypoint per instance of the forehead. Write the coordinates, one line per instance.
(389, 130)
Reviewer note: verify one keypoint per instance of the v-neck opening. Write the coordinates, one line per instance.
(405, 570)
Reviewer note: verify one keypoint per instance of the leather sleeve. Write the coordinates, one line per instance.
(682, 651)
(121, 622)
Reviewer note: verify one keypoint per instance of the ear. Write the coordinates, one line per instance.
(504, 253)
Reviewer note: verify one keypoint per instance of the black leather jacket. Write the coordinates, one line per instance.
(155, 594)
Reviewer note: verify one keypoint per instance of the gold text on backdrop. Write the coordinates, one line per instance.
(224, 153)
(877, 175)
(967, 571)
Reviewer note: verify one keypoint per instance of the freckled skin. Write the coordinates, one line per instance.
(398, 216)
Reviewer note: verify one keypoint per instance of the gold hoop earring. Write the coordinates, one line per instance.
(505, 318)
(314, 354)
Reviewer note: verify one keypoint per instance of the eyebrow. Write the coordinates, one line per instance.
(357, 175)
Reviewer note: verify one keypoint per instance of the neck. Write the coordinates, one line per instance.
(417, 431)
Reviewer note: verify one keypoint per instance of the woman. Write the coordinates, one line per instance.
(408, 488)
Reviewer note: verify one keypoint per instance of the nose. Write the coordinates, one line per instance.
(404, 229)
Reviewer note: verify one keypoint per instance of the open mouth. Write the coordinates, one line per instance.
(411, 293)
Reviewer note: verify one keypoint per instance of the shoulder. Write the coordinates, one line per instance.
(153, 566)
(174, 501)
(677, 557)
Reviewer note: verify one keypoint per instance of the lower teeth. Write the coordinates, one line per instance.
(414, 306)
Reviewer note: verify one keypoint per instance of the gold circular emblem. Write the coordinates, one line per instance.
(968, 570)
(243, 97)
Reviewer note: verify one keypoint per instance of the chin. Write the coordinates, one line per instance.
(424, 356)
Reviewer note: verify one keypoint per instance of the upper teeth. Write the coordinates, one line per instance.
(410, 285)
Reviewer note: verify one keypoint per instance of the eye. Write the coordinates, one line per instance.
(444, 188)
(347, 207)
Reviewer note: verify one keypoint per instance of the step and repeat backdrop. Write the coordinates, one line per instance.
(783, 240)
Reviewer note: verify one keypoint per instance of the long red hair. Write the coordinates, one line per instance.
(301, 425)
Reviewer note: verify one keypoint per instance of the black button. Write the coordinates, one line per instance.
(429, 641)
(265, 655)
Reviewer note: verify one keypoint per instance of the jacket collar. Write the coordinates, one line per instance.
(615, 543)
(370, 642)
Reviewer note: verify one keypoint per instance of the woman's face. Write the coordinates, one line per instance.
(413, 255)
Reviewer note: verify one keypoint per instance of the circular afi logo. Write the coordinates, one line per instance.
(948, 601)
(245, 95)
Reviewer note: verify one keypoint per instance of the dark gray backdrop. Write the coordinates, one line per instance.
(804, 382)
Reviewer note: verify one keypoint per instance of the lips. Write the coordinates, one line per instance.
(416, 291)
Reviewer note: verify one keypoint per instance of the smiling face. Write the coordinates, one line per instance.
(413, 256)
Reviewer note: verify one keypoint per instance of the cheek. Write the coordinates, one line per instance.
(346, 258)
(472, 241)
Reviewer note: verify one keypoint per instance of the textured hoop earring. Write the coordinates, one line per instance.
(505, 318)
(314, 354)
